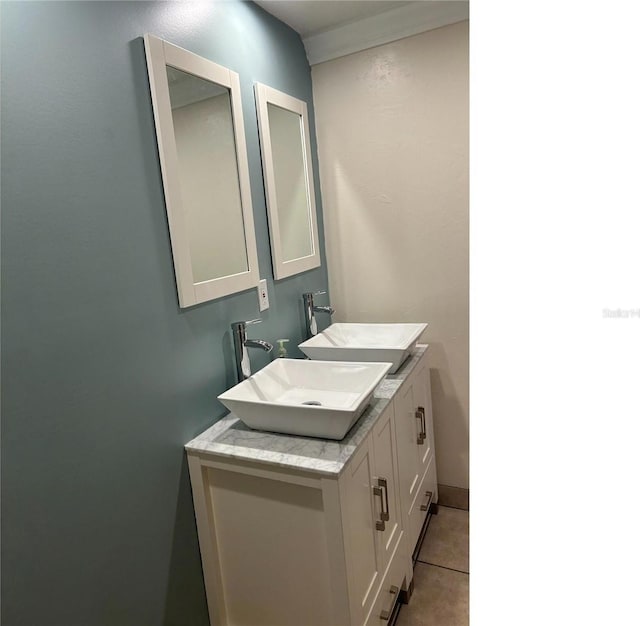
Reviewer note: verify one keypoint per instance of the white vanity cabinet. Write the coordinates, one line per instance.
(299, 531)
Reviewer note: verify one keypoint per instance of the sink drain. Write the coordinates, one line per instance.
(312, 403)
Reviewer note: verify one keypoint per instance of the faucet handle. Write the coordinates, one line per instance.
(246, 323)
(314, 293)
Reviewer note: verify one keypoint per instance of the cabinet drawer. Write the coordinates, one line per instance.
(419, 507)
(388, 591)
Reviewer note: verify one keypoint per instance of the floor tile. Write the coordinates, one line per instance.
(440, 598)
(453, 496)
(447, 540)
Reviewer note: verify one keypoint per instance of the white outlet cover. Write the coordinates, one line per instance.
(263, 295)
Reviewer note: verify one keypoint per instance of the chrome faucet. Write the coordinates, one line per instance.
(310, 310)
(240, 345)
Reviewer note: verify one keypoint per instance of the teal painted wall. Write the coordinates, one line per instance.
(104, 378)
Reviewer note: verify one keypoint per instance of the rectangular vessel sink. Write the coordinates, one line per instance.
(365, 342)
(300, 397)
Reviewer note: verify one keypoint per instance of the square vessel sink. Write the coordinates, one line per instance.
(300, 397)
(365, 342)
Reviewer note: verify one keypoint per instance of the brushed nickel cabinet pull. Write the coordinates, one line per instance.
(423, 421)
(421, 436)
(377, 491)
(425, 507)
(382, 483)
(386, 614)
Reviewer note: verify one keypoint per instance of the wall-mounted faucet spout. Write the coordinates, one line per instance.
(240, 345)
(310, 310)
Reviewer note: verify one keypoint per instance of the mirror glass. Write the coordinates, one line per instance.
(208, 174)
(285, 128)
(288, 176)
(205, 172)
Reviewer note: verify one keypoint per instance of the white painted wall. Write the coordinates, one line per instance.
(393, 142)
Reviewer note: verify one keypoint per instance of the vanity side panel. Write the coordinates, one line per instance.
(339, 578)
(207, 541)
(430, 429)
(272, 550)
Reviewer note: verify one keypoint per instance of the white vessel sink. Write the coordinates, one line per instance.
(300, 397)
(365, 342)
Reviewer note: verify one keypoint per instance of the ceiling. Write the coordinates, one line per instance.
(334, 28)
(309, 17)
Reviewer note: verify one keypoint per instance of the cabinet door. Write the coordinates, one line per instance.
(360, 510)
(422, 399)
(387, 506)
(407, 430)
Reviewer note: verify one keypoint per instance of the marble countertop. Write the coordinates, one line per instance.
(230, 438)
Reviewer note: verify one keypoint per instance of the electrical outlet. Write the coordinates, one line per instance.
(263, 295)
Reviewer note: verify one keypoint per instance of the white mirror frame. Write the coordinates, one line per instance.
(267, 95)
(159, 54)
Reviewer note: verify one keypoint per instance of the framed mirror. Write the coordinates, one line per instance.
(288, 175)
(205, 172)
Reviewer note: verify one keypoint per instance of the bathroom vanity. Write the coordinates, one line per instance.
(296, 530)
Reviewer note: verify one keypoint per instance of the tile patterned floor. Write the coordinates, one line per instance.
(447, 541)
(441, 575)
